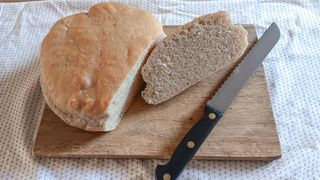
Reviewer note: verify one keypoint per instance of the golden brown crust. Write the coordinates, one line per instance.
(86, 56)
(69, 118)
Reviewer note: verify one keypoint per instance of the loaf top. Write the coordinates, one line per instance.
(85, 57)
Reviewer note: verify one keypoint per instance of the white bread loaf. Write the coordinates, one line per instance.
(90, 63)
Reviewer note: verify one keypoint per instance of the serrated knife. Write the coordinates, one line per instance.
(217, 105)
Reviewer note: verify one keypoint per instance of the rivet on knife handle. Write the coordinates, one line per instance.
(189, 145)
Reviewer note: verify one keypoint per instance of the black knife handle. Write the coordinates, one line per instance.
(189, 145)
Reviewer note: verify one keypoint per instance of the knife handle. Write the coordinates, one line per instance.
(189, 145)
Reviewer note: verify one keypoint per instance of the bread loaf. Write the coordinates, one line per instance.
(195, 51)
(90, 63)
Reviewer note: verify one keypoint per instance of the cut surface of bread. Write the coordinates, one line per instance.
(193, 52)
(90, 63)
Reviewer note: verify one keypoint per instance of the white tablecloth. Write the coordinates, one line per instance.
(292, 71)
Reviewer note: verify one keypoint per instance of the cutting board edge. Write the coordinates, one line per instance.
(222, 158)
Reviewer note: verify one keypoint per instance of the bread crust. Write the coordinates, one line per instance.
(85, 59)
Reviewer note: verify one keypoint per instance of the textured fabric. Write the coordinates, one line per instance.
(292, 71)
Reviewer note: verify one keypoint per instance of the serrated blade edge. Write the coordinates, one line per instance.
(242, 73)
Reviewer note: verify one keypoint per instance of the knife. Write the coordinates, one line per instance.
(217, 105)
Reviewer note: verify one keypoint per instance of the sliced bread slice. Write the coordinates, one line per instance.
(195, 51)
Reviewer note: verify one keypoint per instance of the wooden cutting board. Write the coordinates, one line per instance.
(246, 132)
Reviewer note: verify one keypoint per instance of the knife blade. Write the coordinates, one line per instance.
(217, 105)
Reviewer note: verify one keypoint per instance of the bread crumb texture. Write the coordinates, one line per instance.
(192, 53)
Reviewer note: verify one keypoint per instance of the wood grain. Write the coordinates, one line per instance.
(246, 132)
